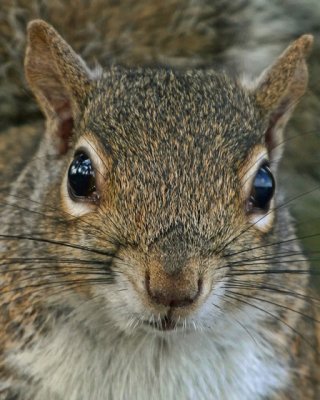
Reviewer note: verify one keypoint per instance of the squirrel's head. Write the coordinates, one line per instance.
(171, 173)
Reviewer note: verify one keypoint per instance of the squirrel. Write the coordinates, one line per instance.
(146, 251)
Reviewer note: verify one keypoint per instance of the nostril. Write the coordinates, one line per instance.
(172, 295)
(200, 283)
(179, 302)
(147, 283)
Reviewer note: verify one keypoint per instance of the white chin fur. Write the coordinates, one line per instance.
(226, 364)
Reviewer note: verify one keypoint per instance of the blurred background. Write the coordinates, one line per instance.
(241, 36)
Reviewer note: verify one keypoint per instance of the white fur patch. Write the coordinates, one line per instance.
(229, 362)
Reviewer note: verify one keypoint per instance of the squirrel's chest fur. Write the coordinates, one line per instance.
(145, 366)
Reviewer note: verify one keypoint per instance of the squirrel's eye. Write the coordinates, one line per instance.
(81, 178)
(262, 190)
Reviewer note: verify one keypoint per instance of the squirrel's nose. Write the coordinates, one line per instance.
(172, 291)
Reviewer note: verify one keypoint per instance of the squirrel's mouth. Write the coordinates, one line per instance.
(164, 324)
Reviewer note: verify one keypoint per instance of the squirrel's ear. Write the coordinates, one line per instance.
(59, 79)
(279, 89)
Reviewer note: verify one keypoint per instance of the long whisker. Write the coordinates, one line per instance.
(272, 303)
(272, 288)
(274, 256)
(63, 284)
(229, 242)
(232, 318)
(57, 243)
(298, 238)
(102, 234)
(275, 317)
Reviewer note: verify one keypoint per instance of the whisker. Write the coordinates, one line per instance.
(274, 256)
(276, 289)
(55, 242)
(272, 272)
(60, 220)
(274, 317)
(63, 284)
(264, 215)
(48, 260)
(273, 303)
(235, 320)
(298, 238)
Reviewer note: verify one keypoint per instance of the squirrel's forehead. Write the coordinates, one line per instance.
(171, 95)
(152, 114)
(177, 165)
(179, 147)
(199, 147)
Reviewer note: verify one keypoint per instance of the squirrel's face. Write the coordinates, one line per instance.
(172, 160)
(169, 175)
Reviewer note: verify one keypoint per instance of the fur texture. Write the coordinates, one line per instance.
(85, 285)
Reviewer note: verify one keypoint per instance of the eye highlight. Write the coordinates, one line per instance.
(81, 178)
(262, 190)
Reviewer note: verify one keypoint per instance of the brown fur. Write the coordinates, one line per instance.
(171, 206)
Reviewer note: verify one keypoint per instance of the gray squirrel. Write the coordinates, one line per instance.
(145, 249)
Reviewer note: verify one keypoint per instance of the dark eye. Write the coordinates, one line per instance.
(262, 190)
(81, 177)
